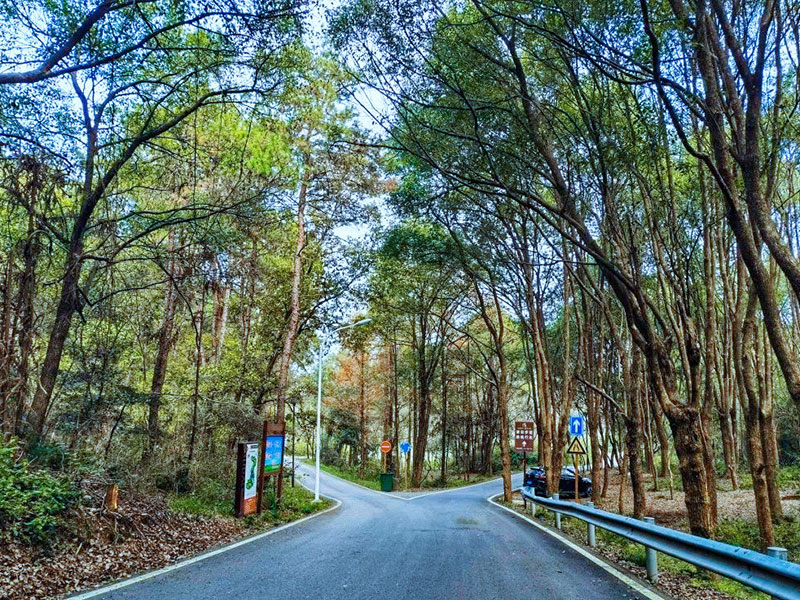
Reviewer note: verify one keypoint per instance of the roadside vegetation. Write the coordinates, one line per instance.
(549, 209)
(56, 535)
(370, 478)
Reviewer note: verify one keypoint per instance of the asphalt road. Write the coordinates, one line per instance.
(449, 545)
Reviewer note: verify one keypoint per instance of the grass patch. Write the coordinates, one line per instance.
(210, 500)
(371, 479)
(740, 532)
(215, 500)
(730, 587)
(456, 481)
(352, 474)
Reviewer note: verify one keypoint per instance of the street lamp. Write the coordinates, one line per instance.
(319, 403)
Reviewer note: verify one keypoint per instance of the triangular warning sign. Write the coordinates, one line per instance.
(576, 447)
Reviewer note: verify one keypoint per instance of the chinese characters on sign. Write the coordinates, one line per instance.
(523, 436)
(273, 454)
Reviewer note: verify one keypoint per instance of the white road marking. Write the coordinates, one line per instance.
(196, 559)
(630, 582)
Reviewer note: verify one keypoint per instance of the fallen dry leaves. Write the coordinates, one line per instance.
(671, 512)
(106, 546)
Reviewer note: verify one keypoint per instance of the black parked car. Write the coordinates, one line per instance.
(536, 479)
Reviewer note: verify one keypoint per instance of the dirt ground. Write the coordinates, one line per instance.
(104, 546)
(671, 512)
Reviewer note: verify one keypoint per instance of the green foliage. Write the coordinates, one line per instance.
(789, 476)
(369, 480)
(730, 587)
(297, 502)
(213, 499)
(741, 532)
(32, 501)
(210, 498)
(47, 455)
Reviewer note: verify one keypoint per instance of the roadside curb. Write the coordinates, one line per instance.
(611, 569)
(200, 557)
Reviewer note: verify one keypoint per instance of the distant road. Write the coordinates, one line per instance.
(439, 546)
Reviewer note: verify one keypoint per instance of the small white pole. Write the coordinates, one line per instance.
(778, 552)
(558, 514)
(318, 435)
(319, 404)
(651, 557)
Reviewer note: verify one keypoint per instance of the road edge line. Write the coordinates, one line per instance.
(195, 559)
(603, 564)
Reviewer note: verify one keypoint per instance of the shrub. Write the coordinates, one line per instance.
(32, 500)
(209, 499)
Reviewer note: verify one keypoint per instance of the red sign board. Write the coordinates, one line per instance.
(524, 436)
(386, 446)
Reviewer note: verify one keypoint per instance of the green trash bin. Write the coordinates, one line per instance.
(387, 482)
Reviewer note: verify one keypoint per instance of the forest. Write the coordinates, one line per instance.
(545, 208)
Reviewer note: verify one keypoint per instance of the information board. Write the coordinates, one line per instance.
(524, 432)
(246, 499)
(273, 454)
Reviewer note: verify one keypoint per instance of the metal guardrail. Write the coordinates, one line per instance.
(775, 576)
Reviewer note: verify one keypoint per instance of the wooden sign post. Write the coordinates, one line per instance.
(523, 442)
(271, 464)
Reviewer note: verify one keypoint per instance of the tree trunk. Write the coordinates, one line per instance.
(633, 436)
(25, 305)
(505, 446)
(684, 422)
(744, 357)
(162, 355)
(221, 296)
(67, 305)
(293, 325)
(199, 321)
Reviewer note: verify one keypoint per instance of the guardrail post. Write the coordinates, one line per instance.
(533, 507)
(778, 552)
(592, 542)
(558, 514)
(651, 557)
